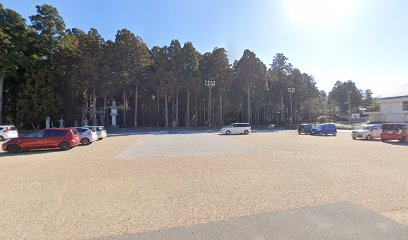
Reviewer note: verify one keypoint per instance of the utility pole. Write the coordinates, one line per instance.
(349, 104)
(291, 91)
(210, 84)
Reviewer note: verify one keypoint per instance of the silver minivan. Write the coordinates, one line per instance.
(368, 132)
(100, 131)
(237, 128)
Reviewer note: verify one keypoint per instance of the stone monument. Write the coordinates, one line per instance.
(114, 113)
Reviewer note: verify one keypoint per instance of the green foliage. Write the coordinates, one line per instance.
(340, 94)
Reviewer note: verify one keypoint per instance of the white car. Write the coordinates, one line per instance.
(100, 131)
(8, 132)
(237, 128)
(86, 135)
(368, 132)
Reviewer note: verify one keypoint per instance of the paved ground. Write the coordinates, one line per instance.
(184, 145)
(117, 186)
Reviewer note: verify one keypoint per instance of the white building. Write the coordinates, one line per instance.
(393, 107)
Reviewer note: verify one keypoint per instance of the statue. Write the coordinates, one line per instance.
(61, 123)
(47, 122)
(85, 122)
(114, 113)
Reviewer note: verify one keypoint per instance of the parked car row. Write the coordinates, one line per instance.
(385, 131)
(62, 138)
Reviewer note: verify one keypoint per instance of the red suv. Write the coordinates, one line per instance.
(394, 131)
(62, 138)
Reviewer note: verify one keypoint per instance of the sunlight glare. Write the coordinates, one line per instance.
(318, 13)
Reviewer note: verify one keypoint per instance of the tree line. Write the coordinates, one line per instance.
(48, 70)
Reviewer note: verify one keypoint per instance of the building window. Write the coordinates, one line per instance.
(405, 106)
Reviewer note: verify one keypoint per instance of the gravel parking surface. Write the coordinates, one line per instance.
(123, 184)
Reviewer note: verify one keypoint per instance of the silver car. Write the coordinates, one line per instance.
(100, 131)
(86, 135)
(368, 132)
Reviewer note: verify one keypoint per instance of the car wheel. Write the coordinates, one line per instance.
(64, 146)
(85, 141)
(228, 132)
(246, 132)
(369, 137)
(384, 140)
(334, 134)
(14, 149)
(354, 138)
(1, 138)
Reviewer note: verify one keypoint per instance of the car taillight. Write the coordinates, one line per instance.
(6, 131)
(90, 133)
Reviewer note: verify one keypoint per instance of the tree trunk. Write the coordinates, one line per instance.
(204, 114)
(124, 107)
(103, 115)
(196, 111)
(172, 109)
(188, 109)
(221, 114)
(258, 115)
(177, 112)
(94, 120)
(136, 98)
(158, 109)
(282, 110)
(1, 97)
(249, 104)
(166, 111)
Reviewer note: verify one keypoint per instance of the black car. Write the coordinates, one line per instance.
(305, 128)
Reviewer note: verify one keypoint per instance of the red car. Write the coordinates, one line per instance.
(62, 138)
(394, 131)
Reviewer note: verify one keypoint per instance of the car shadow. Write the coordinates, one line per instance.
(32, 152)
(397, 143)
(316, 135)
(367, 140)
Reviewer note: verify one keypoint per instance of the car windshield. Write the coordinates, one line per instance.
(364, 127)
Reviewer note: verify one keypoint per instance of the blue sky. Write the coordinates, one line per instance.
(362, 40)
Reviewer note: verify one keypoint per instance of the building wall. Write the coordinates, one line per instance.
(391, 110)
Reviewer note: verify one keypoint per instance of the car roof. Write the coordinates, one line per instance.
(55, 129)
(395, 123)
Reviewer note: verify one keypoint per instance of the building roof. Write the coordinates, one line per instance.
(401, 91)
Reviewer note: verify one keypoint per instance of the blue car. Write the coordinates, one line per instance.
(324, 129)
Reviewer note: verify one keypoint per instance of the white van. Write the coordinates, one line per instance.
(7, 132)
(237, 128)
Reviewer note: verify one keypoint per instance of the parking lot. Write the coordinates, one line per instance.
(145, 182)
